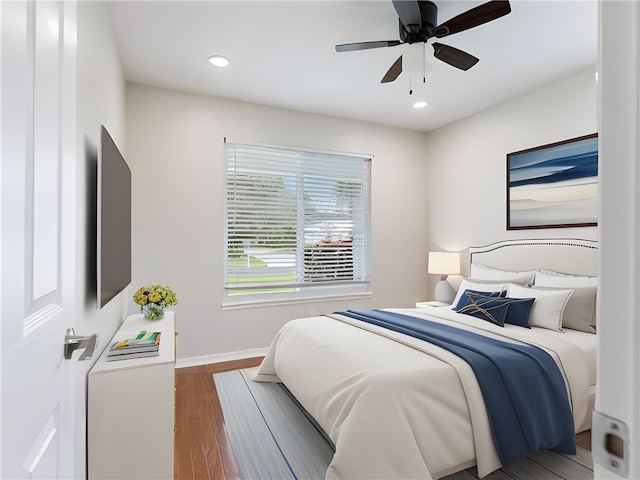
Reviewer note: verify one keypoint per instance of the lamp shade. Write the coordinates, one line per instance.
(444, 263)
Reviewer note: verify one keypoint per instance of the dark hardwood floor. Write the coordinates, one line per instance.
(199, 445)
(583, 440)
(198, 421)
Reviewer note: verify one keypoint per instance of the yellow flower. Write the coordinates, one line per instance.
(163, 296)
(155, 297)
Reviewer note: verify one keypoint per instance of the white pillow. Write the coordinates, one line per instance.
(478, 285)
(549, 278)
(548, 305)
(580, 311)
(489, 273)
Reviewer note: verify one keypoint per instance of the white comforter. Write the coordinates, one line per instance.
(404, 408)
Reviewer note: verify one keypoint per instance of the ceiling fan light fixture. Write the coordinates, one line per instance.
(420, 104)
(218, 60)
(418, 22)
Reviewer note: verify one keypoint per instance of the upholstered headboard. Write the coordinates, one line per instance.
(566, 255)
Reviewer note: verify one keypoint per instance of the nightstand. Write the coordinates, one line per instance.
(432, 303)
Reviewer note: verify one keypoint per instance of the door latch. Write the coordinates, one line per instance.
(610, 443)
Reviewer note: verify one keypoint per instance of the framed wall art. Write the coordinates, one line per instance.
(554, 185)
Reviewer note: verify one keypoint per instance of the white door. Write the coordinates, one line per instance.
(618, 389)
(37, 208)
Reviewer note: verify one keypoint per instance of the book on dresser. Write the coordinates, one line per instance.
(145, 344)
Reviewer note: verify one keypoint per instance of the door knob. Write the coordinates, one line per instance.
(74, 342)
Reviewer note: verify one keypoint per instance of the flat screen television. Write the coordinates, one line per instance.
(113, 220)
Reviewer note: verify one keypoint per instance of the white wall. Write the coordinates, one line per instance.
(466, 162)
(175, 147)
(448, 192)
(100, 100)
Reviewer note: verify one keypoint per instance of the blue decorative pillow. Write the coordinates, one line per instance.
(484, 307)
(517, 314)
(464, 298)
(519, 311)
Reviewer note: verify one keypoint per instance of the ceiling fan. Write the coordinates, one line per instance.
(418, 23)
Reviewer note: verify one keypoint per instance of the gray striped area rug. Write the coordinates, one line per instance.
(272, 437)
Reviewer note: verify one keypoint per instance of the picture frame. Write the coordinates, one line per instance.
(554, 185)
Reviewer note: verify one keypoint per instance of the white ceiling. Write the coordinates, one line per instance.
(282, 54)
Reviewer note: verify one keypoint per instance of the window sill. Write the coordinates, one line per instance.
(294, 301)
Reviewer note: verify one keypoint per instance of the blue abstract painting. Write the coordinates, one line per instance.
(554, 185)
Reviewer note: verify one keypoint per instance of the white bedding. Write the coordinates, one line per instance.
(402, 408)
(586, 341)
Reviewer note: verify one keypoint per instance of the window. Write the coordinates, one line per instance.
(297, 224)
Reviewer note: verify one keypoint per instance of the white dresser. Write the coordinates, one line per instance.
(130, 418)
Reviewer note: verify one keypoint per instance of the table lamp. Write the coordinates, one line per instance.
(444, 264)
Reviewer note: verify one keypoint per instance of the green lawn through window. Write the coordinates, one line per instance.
(241, 261)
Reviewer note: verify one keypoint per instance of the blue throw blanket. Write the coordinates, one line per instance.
(523, 389)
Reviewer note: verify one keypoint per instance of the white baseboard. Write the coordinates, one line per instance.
(221, 357)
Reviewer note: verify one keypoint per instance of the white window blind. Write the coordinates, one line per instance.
(295, 219)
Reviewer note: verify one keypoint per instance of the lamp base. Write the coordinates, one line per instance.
(444, 292)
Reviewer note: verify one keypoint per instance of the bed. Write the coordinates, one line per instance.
(396, 406)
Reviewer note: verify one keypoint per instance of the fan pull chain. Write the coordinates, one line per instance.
(424, 61)
(410, 87)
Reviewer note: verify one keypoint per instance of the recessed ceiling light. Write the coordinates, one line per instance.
(420, 104)
(218, 60)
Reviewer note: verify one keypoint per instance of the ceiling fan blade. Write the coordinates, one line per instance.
(472, 18)
(454, 57)
(409, 13)
(349, 47)
(393, 72)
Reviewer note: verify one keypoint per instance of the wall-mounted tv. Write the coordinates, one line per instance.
(113, 220)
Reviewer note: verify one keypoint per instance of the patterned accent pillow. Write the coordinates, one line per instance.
(486, 308)
(519, 308)
(486, 286)
(464, 298)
